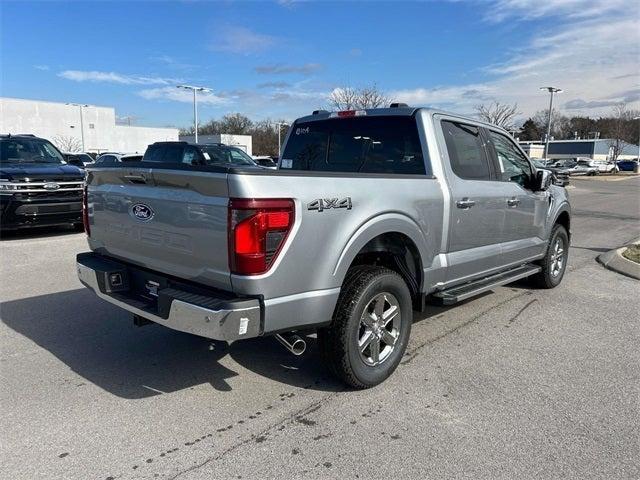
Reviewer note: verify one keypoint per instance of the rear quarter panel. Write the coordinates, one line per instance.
(322, 244)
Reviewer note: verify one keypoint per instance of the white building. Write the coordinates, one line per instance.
(245, 142)
(596, 149)
(63, 125)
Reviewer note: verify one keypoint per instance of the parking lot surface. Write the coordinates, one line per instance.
(519, 383)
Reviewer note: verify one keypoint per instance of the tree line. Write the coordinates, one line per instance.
(620, 127)
(265, 132)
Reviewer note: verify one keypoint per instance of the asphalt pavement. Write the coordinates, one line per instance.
(518, 383)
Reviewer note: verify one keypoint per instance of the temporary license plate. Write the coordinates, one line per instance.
(152, 288)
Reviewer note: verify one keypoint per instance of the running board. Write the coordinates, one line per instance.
(462, 292)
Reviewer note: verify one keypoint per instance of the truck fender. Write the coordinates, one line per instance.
(381, 224)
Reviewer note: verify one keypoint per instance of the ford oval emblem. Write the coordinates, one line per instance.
(142, 212)
(51, 186)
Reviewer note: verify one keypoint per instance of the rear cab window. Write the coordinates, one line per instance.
(374, 144)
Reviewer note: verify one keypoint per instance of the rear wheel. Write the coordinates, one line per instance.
(370, 328)
(554, 262)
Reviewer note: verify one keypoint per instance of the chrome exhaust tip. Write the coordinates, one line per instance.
(294, 343)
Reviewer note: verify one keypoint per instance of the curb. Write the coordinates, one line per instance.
(613, 260)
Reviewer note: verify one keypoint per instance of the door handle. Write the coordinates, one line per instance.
(465, 203)
(513, 202)
(136, 178)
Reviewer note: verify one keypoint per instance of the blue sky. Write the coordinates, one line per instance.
(283, 59)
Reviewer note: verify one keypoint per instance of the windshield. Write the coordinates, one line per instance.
(84, 157)
(224, 154)
(28, 150)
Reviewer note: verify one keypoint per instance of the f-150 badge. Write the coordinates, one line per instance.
(327, 203)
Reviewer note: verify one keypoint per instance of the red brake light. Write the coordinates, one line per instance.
(348, 113)
(257, 230)
(85, 211)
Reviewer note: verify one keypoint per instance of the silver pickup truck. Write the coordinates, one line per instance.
(370, 214)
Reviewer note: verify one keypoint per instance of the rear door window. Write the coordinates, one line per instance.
(362, 144)
(466, 151)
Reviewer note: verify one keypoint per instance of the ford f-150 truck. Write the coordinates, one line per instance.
(370, 214)
(37, 187)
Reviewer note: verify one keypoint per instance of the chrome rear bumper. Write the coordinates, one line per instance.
(208, 316)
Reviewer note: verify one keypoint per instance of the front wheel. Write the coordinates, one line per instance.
(554, 262)
(370, 328)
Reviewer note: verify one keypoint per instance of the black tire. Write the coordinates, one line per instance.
(549, 276)
(339, 343)
(78, 227)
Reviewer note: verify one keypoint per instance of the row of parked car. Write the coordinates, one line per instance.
(585, 166)
(220, 152)
(42, 186)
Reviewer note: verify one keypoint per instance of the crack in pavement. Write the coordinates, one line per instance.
(515, 317)
(413, 353)
(289, 419)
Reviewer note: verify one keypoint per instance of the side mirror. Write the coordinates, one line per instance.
(544, 179)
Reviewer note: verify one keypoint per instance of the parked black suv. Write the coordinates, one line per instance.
(198, 154)
(37, 187)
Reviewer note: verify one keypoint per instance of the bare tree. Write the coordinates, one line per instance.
(496, 113)
(621, 129)
(560, 124)
(67, 143)
(350, 98)
(235, 124)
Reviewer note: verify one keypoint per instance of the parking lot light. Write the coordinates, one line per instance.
(638, 118)
(195, 90)
(551, 90)
(80, 105)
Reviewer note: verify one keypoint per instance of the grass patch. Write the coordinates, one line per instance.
(632, 253)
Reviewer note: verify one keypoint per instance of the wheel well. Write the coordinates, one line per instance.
(396, 252)
(564, 220)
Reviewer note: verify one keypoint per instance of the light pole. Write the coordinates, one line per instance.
(551, 90)
(195, 104)
(638, 118)
(80, 105)
(280, 125)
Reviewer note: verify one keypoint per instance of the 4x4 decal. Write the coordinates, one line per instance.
(327, 203)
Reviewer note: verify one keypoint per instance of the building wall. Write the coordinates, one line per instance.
(533, 150)
(132, 139)
(595, 149)
(57, 121)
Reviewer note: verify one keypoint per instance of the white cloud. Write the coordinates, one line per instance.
(500, 10)
(279, 68)
(180, 95)
(235, 39)
(113, 77)
(41, 67)
(592, 54)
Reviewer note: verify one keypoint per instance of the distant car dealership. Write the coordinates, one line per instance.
(88, 128)
(596, 149)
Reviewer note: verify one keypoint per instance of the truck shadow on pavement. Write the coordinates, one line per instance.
(100, 343)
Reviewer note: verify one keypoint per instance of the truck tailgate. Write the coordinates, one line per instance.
(170, 221)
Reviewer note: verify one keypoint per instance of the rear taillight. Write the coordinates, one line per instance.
(85, 211)
(257, 230)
